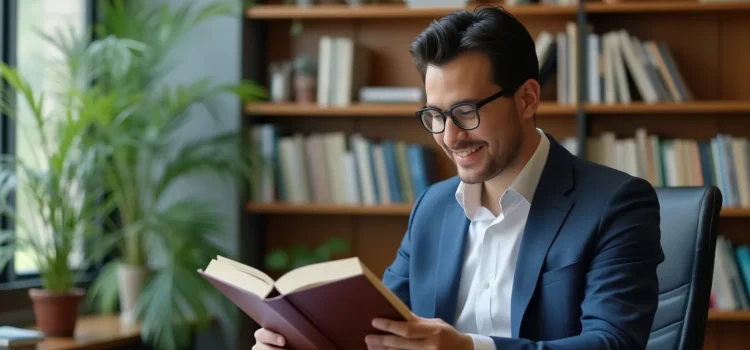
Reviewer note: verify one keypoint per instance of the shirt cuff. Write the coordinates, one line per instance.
(482, 342)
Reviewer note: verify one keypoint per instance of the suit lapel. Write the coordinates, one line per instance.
(548, 211)
(450, 261)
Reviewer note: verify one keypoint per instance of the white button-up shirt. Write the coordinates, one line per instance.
(484, 294)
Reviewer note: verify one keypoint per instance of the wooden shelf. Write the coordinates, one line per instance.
(267, 12)
(716, 315)
(395, 209)
(671, 108)
(547, 108)
(664, 6)
(96, 332)
(364, 109)
(317, 209)
(735, 212)
(385, 11)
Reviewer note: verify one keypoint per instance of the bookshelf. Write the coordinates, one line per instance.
(701, 37)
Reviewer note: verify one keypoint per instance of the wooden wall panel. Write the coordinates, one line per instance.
(558, 126)
(389, 42)
(283, 231)
(378, 240)
(734, 52)
(726, 335)
(735, 229)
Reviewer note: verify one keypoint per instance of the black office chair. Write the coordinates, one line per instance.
(689, 219)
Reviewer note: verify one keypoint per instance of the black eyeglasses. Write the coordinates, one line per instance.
(464, 115)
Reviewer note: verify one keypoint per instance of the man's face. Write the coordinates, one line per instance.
(484, 152)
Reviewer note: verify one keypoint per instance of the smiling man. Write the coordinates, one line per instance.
(528, 247)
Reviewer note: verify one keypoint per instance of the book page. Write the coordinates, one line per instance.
(229, 273)
(247, 269)
(316, 274)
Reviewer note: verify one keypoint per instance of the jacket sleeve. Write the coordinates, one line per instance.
(396, 276)
(622, 289)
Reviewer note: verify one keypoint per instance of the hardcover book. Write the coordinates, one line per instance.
(328, 305)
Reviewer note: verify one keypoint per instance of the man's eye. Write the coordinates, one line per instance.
(463, 111)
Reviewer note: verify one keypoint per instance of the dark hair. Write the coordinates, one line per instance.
(492, 30)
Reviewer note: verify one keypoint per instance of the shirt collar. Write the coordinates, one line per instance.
(469, 195)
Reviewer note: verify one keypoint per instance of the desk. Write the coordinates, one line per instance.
(95, 332)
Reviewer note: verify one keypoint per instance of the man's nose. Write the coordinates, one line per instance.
(452, 133)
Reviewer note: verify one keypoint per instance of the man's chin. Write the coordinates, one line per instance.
(470, 176)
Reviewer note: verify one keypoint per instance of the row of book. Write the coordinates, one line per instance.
(615, 61)
(721, 161)
(730, 289)
(336, 168)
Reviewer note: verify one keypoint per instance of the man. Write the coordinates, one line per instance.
(529, 247)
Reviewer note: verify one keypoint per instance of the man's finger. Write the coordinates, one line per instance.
(261, 346)
(404, 329)
(268, 337)
(393, 342)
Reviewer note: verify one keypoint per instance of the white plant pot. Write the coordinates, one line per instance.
(130, 280)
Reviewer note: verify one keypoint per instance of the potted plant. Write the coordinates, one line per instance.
(61, 190)
(298, 255)
(161, 242)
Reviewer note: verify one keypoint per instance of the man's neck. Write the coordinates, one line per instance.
(493, 189)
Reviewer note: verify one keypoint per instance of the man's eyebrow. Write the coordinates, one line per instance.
(465, 100)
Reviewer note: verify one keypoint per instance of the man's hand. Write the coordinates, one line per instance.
(423, 333)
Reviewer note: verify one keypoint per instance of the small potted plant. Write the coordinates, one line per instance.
(59, 189)
(298, 255)
(304, 79)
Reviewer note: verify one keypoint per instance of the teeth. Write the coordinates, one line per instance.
(466, 153)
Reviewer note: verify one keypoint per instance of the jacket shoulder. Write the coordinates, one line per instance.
(444, 190)
(594, 180)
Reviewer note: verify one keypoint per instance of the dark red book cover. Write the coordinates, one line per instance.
(275, 315)
(334, 315)
(343, 310)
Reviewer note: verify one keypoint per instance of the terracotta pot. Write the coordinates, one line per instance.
(130, 282)
(56, 313)
(304, 88)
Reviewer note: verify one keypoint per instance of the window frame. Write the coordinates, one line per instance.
(14, 287)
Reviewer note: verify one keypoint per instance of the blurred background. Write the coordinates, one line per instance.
(143, 138)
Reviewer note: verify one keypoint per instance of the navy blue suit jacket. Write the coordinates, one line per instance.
(586, 271)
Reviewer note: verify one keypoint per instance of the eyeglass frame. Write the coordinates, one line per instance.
(475, 106)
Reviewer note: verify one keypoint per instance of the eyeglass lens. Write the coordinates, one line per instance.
(465, 116)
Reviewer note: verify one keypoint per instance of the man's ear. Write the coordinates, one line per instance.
(527, 98)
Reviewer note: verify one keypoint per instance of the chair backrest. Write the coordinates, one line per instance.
(689, 219)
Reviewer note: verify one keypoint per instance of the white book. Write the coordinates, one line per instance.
(325, 57)
(360, 149)
(621, 77)
(610, 88)
(636, 68)
(381, 173)
(562, 68)
(572, 33)
(351, 182)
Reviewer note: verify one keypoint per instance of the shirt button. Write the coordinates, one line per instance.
(486, 284)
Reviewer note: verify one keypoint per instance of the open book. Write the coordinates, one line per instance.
(328, 305)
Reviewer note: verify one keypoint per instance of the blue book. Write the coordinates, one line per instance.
(421, 168)
(743, 262)
(373, 170)
(704, 149)
(389, 153)
(11, 337)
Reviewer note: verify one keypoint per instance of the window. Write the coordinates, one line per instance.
(21, 46)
